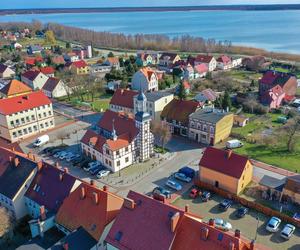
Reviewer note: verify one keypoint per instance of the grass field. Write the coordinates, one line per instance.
(244, 75)
(30, 41)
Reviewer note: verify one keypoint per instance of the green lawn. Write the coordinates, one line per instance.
(244, 75)
(31, 41)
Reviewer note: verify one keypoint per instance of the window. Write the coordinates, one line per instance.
(46, 124)
(51, 123)
(42, 125)
(40, 116)
(45, 114)
(126, 159)
(12, 123)
(35, 128)
(126, 149)
(22, 120)
(107, 151)
(212, 129)
(50, 113)
(118, 152)
(118, 163)
(30, 130)
(33, 117)
(14, 134)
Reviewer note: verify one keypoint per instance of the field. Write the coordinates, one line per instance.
(30, 41)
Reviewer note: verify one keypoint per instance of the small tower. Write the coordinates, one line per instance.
(114, 133)
(145, 137)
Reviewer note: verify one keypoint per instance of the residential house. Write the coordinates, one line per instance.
(146, 59)
(121, 139)
(25, 115)
(58, 60)
(171, 228)
(292, 188)
(122, 101)
(6, 72)
(48, 71)
(210, 126)
(49, 188)
(200, 70)
(78, 67)
(34, 79)
(71, 57)
(99, 69)
(225, 169)
(112, 62)
(34, 49)
(273, 97)
(16, 46)
(207, 96)
(237, 62)
(55, 88)
(14, 88)
(17, 171)
(91, 208)
(156, 102)
(112, 86)
(224, 62)
(287, 82)
(145, 80)
(176, 114)
(209, 61)
(240, 120)
(167, 60)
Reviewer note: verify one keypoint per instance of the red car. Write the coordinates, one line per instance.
(194, 193)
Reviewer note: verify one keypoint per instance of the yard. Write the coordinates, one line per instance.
(244, 75)
(41, 41)
(277, 155)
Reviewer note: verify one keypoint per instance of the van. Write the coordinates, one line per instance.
(41, 140)
(234, 144)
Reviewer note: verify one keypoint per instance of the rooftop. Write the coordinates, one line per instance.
(15, 87)
(123, 98)
(156, 95)
(209, 115)
(51, 84)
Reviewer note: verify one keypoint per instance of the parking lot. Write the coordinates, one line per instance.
(247, 224)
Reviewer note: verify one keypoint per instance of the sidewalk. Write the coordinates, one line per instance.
(271, 168)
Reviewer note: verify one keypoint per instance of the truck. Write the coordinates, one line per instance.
(187, 171)
(234, 144)
(41, 140)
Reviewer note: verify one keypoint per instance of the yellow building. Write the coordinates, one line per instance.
(225, 169)
(210, 126)
(79, 67)
(14, 88)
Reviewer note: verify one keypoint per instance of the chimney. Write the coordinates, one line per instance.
(211, 222)
(66, 246)
(66, 170)
(82, 195)
(61, 176)
(252, 245)
(96, 198)
(42, 213)
(237, 233)
(105, 188)
(39, 165)
(92, 182)
(187, 208)
(174, 221)
(228, 153)
(16, 161)
(204, 233)
(129, 203)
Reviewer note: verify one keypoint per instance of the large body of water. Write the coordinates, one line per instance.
(271, 30)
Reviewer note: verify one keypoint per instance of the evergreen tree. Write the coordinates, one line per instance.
(181, 93)
(226, 102)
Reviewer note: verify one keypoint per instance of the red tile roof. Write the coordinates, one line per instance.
(123, 98)
(79, 64)
(147, 72)
(23, 102)
(15, 87)
(204, 58)
(186, 85)
(210, 94)
(90, 137)
(93, 217)
(201, 68)
(224, 59)
(30, 61)
(220, 161)
(47, 70)
(58, 60)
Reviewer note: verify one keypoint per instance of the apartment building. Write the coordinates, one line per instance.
(26, 115)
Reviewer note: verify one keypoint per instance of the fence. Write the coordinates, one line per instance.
(250, 204)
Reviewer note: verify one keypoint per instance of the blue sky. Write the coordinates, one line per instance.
(13, 4)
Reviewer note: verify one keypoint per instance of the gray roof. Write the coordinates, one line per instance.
(154, 96)
(209, 115)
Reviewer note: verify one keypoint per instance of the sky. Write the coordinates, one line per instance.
(19, 4)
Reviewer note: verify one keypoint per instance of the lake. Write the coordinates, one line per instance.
(272, 30)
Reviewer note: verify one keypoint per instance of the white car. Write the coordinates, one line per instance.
(222, 224)
(174, 185)
(57, 155)
(287, 231)
(273, 224)
(103, 173)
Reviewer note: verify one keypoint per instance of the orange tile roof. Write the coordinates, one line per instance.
(113, 60)
(121, 142)
(15, 87)
(148, 72)
(93, 217)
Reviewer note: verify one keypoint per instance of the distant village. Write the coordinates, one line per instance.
(131, 106)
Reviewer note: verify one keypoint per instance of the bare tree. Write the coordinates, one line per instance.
(292, 128)
(6, 222)
(62, 135)
(162, 132)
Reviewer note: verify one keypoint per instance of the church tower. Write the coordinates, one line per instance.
(145, 139)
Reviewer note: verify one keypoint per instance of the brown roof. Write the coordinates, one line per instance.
(123, 98)
(92, 138)
(15, 87)
(204, 58)
(293, 184)
(51, 84)
(179, 110)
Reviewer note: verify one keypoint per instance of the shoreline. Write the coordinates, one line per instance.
(270, 7)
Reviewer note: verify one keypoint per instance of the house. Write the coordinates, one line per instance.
(58, 60)
(146, 59)
(240, 121)
(156, 102)
(34, 49)
(209, 61)
(25, 115)
(237, 62)
(34, 79)
(273, 97)
(287, 82)
(189, 73)
(55, 88)
(225, 169)
(186, 86)
(71, 57)
(99, 69)
(17, 171)
(207, 96)
(121, 139)
(145, 80)
(91, 208)
(6, 72)
(171, 228)
(49, 188)
(176, 114)
(48, 71)
(112, 86)
(167, 60)
(16, 46)
(210, 126)
(78, 67)
(292, 188)
(122, 101)
(224, 62)
(14, 88)
(200, 70)
(112, 62)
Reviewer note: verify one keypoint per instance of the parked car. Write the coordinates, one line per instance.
(205, 196)
(72, 157)
(41, 141)
(77, 161)
(58, 153)
(65, 155)
(187, 171)
(95, 170)
(103, 173)
(174, 185)
(287, 231)
(47, 150)
(83, 163)
(222, 224)
(94, 163)
(195, 193)
(273, 224)
(162, 191)
(225, 204)
(234, 144)
(182, 177)
(242, 211)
